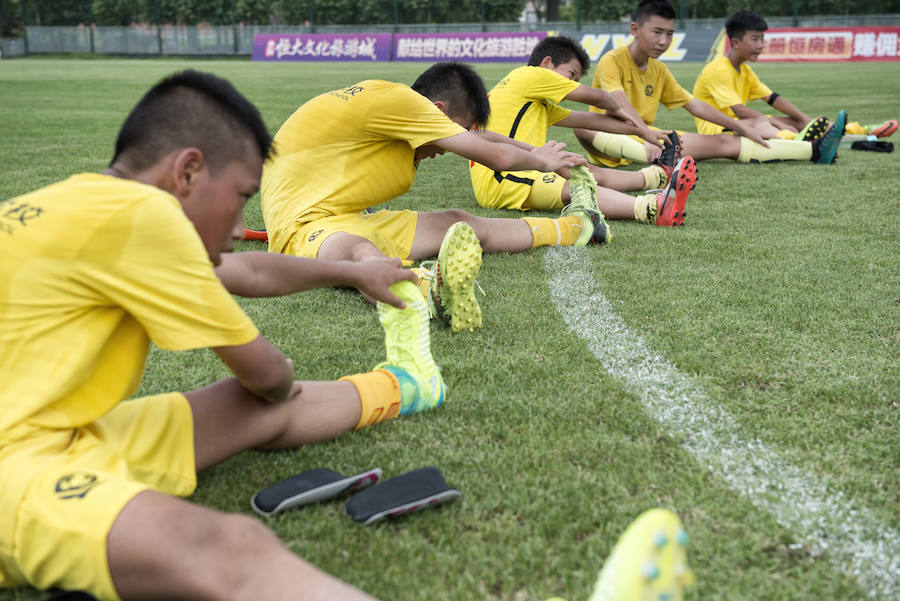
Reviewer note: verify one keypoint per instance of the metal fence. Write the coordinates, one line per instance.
(188, 40)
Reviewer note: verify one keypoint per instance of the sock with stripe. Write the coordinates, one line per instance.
(379, 396)
(554, 232)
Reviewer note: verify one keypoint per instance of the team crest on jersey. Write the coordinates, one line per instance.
(76, 485)
(648, 90)
(549, 178)
(315, 235)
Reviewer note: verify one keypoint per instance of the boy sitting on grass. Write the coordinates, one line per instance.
(728, 83)
(640, 82)
(526, 103)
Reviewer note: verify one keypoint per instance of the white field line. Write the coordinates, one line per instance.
(826, 521)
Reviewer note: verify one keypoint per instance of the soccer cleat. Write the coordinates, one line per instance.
(883, 130)
(452, 289)
(407, 341)
(670, 202)
(825, 148)
(813, 130)
(648, 563)
(258, 235)
(583, 202)
(669, 155)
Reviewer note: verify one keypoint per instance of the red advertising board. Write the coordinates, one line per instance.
(832, 44)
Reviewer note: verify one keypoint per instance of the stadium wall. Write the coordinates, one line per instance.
(695, 39)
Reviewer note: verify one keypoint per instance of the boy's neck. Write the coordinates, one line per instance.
(736, 60)
(639, 57)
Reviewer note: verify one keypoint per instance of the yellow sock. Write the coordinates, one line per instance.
(620, 146)
(379, 396)
(855, 128)
(645, 208)
(424, 280)
(783, 150)
(654, 177)
(554, 232)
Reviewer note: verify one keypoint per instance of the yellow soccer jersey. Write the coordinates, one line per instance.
(345, 151)
(91, 269)
(645, 90)
(523, 106)
(722, 87)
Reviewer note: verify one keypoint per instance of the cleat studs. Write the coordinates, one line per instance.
(650, 571)
(683, 538)
(660, 540)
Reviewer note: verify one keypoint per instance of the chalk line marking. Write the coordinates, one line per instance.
(856, 541)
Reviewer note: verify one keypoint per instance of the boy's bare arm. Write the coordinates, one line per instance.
(258, 274)
(698, 108)
(503, 156)
(785, 106)
(260, 368)
(600, 122)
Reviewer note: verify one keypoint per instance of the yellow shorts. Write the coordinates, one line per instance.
(522, 190)
(392, 232)
(70, 485)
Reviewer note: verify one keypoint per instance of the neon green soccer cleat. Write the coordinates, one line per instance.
(813, 130)
(452, 289)
(648, 563)
(583, 193)
(407, 341)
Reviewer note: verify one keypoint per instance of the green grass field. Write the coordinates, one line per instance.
(779, 301)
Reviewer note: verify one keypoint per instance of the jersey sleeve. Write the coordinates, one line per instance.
(556, 113)
(404, 114)
(608, 75)
(544, 84)
(157, 269)
(673, 95)
(757, 88)
(718, 87)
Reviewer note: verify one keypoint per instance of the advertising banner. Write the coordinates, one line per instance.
(322, 47)
(832, 44)
(467, 47)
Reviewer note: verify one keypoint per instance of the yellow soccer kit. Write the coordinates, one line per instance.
(523, 106)
(645, 89)
(343, 152)
(91, 270)
(721, 86)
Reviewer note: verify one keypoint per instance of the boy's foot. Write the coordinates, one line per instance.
(670, 202)
(669, 155)
(407, 341)
(825, 148)
(648, 563)
(883, 130)
(452, 290)
(813, 130)
(583, 202)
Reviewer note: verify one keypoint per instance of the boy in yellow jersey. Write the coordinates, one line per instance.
(526, 103)
(95, 267)
(354, 148)
(640, 82)
(728, 83)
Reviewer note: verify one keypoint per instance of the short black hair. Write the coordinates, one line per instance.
(191, 108)
(457, 85)
(560, 49)
(653, 8)
(742, 21)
